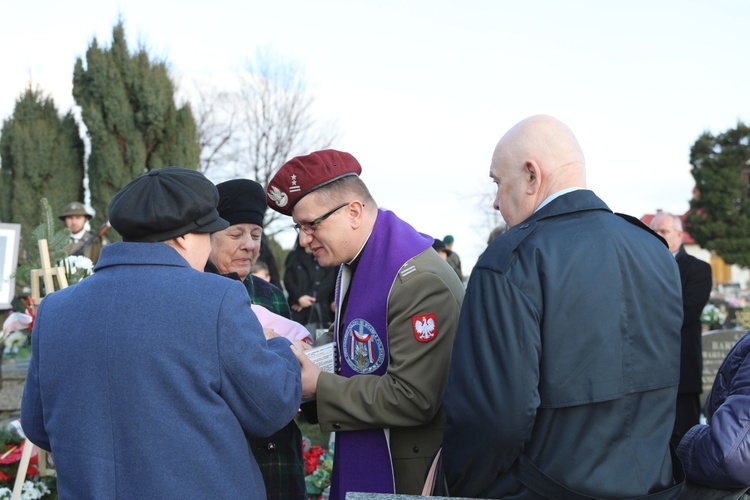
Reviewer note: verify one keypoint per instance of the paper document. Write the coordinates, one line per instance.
(323, 356)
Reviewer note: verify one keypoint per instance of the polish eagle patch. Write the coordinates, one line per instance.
(425, 327)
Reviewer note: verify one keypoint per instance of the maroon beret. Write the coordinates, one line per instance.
(303, 174)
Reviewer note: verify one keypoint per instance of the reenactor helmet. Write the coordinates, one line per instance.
(75, 208)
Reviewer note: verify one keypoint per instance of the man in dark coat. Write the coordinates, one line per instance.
(566, 359)
(311, 287)
(696, 289)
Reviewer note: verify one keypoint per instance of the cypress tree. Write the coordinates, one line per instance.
(719, 217)
(128, 105)
(42, 157)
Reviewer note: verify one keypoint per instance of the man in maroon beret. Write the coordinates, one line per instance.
(397, 308)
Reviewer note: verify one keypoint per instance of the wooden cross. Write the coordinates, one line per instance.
(47, 273)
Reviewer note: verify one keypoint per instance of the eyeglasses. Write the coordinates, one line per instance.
(309, 227)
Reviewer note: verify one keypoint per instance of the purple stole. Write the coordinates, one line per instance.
(362, 458)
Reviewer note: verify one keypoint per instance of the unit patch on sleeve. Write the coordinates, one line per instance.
(425, 327)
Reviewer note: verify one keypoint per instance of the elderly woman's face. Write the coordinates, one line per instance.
(235, 249)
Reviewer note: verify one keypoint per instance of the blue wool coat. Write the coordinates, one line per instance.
(147, 379)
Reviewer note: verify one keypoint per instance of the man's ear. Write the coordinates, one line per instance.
(356, 212)
(533, 175)
(180, 242)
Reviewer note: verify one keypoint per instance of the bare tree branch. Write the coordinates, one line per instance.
(275, 120)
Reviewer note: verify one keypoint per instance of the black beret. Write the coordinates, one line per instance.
(166, 203)
(242, 201)
(304, 174)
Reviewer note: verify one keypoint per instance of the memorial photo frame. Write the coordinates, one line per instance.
(10, 241)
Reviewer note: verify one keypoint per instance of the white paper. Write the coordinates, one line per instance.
(323, 357)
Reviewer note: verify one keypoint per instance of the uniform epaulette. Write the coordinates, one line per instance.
(506, 246)
(407, 270)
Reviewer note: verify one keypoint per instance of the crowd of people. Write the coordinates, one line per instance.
(567, 365)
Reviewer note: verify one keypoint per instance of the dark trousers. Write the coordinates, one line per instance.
(688, 414)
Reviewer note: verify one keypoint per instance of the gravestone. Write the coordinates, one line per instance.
(716, 344)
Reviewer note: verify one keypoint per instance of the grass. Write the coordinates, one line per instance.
(313, 432)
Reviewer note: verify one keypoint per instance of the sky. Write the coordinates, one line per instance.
(422, 90)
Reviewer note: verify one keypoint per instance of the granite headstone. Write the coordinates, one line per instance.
(716, 345)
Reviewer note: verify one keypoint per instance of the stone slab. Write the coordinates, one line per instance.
(383, 496)
(715, 345)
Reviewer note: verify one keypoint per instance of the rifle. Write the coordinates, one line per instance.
(102, 230)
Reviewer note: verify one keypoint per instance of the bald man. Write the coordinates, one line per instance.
(566, 360)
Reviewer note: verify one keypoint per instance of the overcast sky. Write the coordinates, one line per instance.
(422, 90)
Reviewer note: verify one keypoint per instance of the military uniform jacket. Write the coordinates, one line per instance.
(92, 251)
(566, 356)
(407, 398)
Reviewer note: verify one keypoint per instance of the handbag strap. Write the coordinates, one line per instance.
(429, 482)
(315, 311)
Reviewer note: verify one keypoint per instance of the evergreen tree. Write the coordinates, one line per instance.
(128, 105)
(42, 157)
(719, 218)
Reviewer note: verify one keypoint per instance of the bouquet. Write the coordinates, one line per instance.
(318, 467)
(34, 485)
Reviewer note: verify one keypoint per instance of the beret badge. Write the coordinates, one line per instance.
(277, 196)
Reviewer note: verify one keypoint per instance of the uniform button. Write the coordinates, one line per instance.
(337, 426)
(416, 449)
(271, 447)
(524, 226)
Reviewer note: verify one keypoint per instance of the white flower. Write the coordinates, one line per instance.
(31, 490)
(74, 263)
(77, 267)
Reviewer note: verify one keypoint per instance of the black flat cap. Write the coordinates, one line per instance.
(242, 201)
(166, 203)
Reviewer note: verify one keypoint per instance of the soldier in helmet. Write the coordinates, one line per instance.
(76, 217)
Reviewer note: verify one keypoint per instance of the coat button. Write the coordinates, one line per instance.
(337, 426)
(416, 449)
(271, 447)
(524, 226)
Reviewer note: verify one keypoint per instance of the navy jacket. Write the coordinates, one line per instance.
(566, 354)
(718, 454)
(148, 377)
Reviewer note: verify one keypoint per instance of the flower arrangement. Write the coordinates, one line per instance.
(17, 328)
(34, 486)
(77, 267)
(713, 315)
(318, 467)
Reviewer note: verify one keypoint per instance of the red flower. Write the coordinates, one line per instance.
(312, 458)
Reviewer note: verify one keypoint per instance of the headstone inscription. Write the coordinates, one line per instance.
(715, 344)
